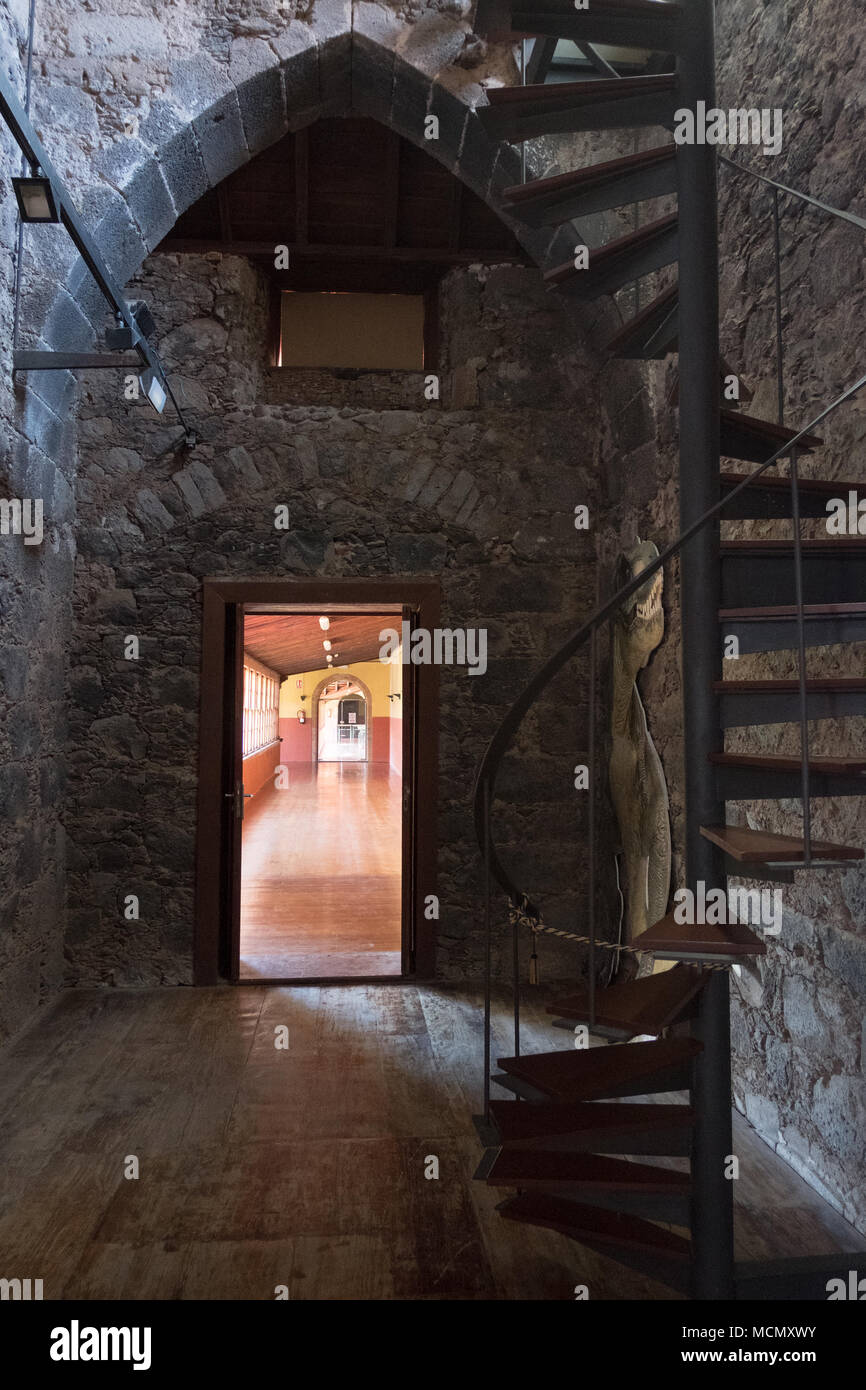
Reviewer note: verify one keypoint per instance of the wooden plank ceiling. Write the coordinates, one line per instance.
(358, 207)
(292, 642)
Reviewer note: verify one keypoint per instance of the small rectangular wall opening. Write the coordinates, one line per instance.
(345, 330)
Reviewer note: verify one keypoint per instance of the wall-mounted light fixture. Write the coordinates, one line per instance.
(35, 198)
(153, 389)
(324, 624)
(396, 696)
(43, 197)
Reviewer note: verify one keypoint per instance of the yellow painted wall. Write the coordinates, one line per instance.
(379, 677)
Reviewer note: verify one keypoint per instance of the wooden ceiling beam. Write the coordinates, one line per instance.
(225, 215)
(456, 215)
(392, 188)
(443, 254)
(302, 185)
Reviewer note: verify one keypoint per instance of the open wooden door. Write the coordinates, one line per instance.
(409, 894)
(234, 797)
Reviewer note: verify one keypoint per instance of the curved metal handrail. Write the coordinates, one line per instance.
(485, 780)
(795, 193)
(489, 766)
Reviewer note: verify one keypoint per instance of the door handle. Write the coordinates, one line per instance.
(238, 796)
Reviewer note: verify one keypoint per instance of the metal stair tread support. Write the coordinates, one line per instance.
(748, 846)
(816, 683)
(762, 572)
(600, 1073)
(769, 497)
(787, 612)
(636, 1006)
(773, 628)
(832, 545)
(595, 1226)
(671, 940)
(620, 261)
(826, 487)
(752, 702)
(523, 113)
(598, 187)
(612, 1125)
(652, 332)
(752, 440)
(541, 1167)
(848, 765)
(653, 24)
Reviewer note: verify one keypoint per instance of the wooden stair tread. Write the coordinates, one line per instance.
(589, 176)
(789, 610)
(830, 545)
(775, 434)
(596, 1226)
(815, 684)
(517, 1121)
(566, 94)
(530, 1167)
(749, 846)
(650, 318)
(603, 257)
(640, 1006)
(819, 486)
(781, 762)
(588, 1074)
(729, 939)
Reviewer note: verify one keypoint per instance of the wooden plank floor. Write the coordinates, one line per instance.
(302, 1167)
(321, 874)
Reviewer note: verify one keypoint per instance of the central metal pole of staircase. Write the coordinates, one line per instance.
(712, 1191)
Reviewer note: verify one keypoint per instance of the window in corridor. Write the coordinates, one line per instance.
(261, 710)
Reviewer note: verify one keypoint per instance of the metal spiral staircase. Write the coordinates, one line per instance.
(569, 1110)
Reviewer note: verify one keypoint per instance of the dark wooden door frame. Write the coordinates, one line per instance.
(219, 598)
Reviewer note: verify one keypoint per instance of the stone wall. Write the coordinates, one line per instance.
(142, 110)
(799, 1015)
(483, 498)
(36, 463)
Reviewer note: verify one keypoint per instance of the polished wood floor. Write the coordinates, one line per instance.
(321, 874)
(302, 1167)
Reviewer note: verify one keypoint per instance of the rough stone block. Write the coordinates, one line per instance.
(417, 553)
(66, 328)
(452, 115)
(220, 135)
(432, 42)
(261, 94)
(372, 78)
(172, 138)
(120, 242)
(410, 103)
(477, 157)
(151, 513)
(150, 203)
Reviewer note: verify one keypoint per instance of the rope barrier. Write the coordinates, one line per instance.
(517, 915)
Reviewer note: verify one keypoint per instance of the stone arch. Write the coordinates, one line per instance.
(314, 715)
(217, 118)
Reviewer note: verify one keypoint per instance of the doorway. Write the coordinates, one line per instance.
(343, 706)
(326, 782)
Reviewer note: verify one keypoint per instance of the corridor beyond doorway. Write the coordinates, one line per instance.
(322, 838)
(321, 885)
